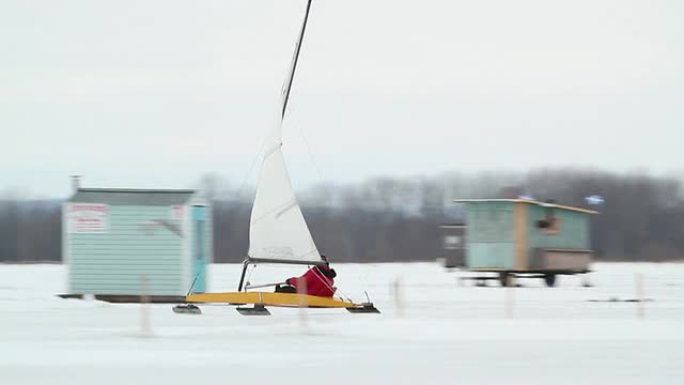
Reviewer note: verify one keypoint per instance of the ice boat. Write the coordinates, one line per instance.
(278, 233)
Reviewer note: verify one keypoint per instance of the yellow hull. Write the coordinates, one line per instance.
(270, 299)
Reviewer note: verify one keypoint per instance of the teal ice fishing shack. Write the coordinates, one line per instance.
(519, 237)
(121, 244)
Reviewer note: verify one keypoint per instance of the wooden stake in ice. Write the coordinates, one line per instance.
(509, 303)
(303, 303)
(640, 299)
(144, 306)
(397, 293)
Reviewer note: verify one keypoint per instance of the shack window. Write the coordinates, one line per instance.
(451, 242)
(549, 225)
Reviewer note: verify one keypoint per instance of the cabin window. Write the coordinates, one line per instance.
(451, 242)
(550, 225)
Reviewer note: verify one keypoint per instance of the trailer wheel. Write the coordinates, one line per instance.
(505, 279)
(550, 280)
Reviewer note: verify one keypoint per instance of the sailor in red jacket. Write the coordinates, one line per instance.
(318, 281)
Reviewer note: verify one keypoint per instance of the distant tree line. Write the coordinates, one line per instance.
(30, 230)
(398, 219)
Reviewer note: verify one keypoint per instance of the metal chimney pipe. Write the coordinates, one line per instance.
(75, 183)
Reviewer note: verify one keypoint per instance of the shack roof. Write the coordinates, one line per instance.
(532, 202)
(132, 197)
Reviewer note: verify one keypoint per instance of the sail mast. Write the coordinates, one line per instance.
(293, 67)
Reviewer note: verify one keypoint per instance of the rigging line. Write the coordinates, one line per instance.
(251, 167)
(319, 274)
(315, 165)
(335, 290)
(249, 275)
(288, 88)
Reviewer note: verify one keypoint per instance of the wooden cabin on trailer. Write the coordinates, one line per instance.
(453, 245)
(122, 244)
(519, 237)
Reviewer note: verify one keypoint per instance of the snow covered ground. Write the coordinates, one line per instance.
(435, 331)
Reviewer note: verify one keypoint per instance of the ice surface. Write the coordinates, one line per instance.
(435, 331)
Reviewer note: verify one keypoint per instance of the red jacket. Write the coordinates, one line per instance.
(316, 283)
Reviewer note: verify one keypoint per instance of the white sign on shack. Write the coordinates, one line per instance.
(87, 218)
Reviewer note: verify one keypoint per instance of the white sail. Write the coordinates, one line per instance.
(278, 231)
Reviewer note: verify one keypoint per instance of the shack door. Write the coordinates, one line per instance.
(199, 247)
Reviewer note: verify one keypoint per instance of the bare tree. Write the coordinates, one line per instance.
(397, 219)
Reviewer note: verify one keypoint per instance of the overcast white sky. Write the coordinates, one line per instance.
(157, 93)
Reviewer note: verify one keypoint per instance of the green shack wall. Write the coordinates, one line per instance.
(573, 230)
(119, 260)
(503, 235)
(490, 239)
